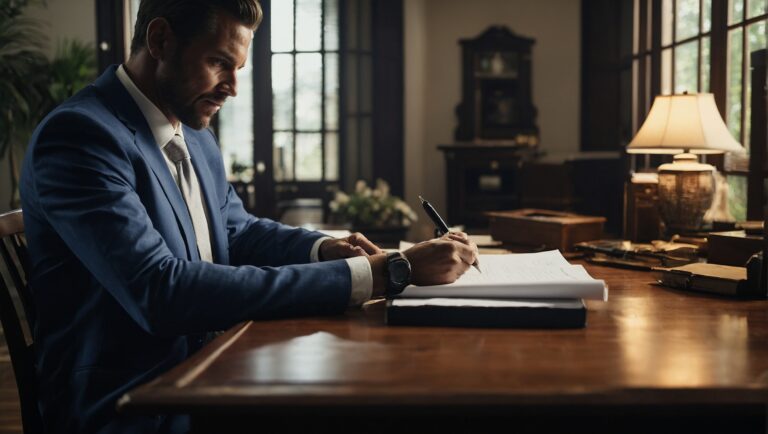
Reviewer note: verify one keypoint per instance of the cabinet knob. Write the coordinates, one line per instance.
(494, 165)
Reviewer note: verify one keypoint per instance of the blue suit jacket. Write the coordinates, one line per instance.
(121, 293)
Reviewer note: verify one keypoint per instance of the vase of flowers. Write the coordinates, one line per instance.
(380, 216)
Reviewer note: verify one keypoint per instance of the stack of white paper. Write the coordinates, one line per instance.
(544, 275)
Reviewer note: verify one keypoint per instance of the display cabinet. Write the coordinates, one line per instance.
(496, 90)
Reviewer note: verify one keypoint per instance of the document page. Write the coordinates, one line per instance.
(529, 275)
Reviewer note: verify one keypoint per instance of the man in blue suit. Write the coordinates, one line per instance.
(139, 246)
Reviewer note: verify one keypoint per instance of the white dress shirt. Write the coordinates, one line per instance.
(163, 131)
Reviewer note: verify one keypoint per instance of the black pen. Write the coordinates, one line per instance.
(442, 228)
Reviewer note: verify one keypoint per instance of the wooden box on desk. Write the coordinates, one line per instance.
(732, 247)
(538, 227)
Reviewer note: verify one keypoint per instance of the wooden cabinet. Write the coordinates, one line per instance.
(481, 178)
(496, 89)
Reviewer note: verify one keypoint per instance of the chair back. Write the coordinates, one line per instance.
(17, 318)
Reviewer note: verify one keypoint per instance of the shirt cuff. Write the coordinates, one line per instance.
(314, 254)
(362, 280)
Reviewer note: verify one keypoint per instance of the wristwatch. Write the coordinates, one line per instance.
(398, 274)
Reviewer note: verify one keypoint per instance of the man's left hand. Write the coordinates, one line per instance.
(353, 245)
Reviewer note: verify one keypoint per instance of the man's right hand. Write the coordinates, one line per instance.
(433, 262)
(441, 260)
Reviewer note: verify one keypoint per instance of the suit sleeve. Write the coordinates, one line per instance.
(85, 184)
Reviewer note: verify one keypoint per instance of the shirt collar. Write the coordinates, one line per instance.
(162, 129)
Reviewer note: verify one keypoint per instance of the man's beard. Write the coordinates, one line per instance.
(170, 88)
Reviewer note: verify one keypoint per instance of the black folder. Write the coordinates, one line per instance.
(521, 313)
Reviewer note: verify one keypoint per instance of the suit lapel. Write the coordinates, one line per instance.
(128, 112)
(207, 185)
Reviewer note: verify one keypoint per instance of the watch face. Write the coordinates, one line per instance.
(399, 272)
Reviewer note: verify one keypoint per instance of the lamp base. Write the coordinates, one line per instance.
(686, 192)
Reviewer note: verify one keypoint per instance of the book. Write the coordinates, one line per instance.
(712, 278)
(460, 312)
(518, 276)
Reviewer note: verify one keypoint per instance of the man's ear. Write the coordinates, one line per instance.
(161, 41)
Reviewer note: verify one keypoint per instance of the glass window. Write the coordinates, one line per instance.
(756, 8)
(737, 194)
(705, 66)
(686, 71)
(735, 11)
(305, 89)
(734, 90)
(686, 19)
(236, 128)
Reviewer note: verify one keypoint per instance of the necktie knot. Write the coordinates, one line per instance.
(176, 149)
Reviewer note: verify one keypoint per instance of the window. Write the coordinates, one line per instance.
(305, 89)
(700, 46)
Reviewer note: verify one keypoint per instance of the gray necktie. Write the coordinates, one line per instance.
(177, 151)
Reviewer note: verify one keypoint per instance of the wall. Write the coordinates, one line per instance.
(433, 78)
(63, 19)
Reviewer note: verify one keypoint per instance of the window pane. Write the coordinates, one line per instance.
(332, 91)
(332, 156)
(282, 25)
(756, 41)
(309, 157)
(309, 75)
(134, 12)
(686, 67)
(331, 31)
(704, 79)
(283, 156)
(282, 91)
(687, 19)
(756, 7)
(308, 17)
(735, 11)
(666, 71)
(666, 22)
(236, 127)
(737, 196)
(706, 19)
(733, 101)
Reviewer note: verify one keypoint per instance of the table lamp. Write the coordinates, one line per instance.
(685, 123)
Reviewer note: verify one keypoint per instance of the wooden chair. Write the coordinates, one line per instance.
(17, 322)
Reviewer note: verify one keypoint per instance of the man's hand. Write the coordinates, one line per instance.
(353, 245)
(441, 260)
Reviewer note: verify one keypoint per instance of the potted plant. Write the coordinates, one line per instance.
(30, 84)
(376, 213)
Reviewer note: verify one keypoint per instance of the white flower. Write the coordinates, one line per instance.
(341, 198)
(383, 187)
(360, 186)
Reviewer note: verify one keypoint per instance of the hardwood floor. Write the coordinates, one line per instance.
(10, 413)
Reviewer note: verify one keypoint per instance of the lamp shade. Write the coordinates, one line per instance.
(683, 122)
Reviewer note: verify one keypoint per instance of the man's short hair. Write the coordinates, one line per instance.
(188, 17)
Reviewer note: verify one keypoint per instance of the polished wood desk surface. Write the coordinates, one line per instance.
(646, 345)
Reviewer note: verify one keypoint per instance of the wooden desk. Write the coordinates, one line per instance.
(650, 360)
